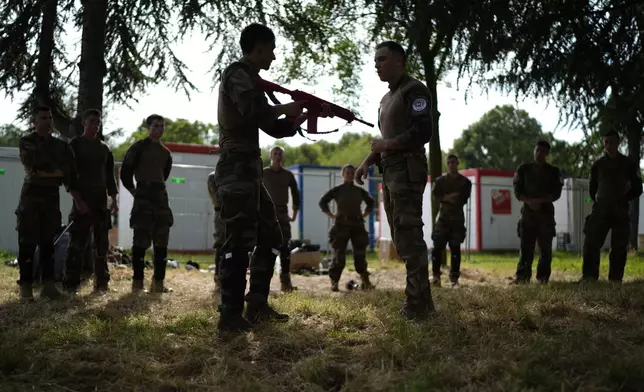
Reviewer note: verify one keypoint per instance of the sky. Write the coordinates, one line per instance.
(457, 110)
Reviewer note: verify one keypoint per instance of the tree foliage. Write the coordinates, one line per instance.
(505, 137)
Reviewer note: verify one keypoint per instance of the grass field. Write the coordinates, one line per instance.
(486, 336)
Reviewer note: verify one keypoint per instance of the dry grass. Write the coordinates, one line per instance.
(486, 337)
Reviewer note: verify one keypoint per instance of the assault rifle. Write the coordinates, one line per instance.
(313, 106)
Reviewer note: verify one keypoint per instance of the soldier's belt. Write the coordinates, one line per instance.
(396, 158)
(241, 148)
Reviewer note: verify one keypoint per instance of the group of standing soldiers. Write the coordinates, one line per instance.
(251, 214)
(615, 180)
(85, 166)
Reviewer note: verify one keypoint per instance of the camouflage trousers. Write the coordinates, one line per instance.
(151, 219)
(284, 222)
(218, 235)
(404, 182)
(38, 220)
(97, 223)
(452, 232)
(605, 217)
(250, 222)
(343, 231)
(533, 227)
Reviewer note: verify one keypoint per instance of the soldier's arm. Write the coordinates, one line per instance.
(112, 190)
(295, 193)
(28, 154)
(593, 183)
(556, 186)
(437, 190)
(68, 170)
(168, 168)
(635, 177)
(518, 183)
(418, 102)
(369, 201)
(252, 103)
(466, 192)
(211, 187)
(325, 200)
(128, 167)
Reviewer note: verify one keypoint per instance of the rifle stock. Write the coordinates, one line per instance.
(313, 105)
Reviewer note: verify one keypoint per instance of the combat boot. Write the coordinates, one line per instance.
(436, 281)
(157, 286)
(137, 286)
(287, 285)
(417, 312)
(335, 285)
(258, 310)
(101, 288)
(50, 291)
(26, 293)
(366, 283)
(234, 323)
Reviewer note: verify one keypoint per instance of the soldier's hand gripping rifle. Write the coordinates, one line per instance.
(313, 106)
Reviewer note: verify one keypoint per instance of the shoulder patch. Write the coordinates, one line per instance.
(419, 104)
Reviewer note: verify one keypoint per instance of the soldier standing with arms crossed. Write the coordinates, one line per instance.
(93, 181)
(48, 163)
(219, 227)
(614, 181)
(452, 192)
(537, 184)
(150, 163)
(349, 225)
(278, 181)
(406, 125)
(247, 212)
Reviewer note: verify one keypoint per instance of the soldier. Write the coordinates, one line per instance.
(452, 192)
(406, 125)
(614, 181)
(247, 212)
(537, 184)
(48, 163)
(349, 225)
(94, 181)
(150, 163)
(278, 181)
(219, 227)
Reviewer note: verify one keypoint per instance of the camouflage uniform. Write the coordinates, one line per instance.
(405, 115)
(278, 183)
(613, 183)
(93, 181)
(38, 213)
(151, 217)
(349, 225)
(450, 224)
(247, 212)
(219, 227)
(533, 180)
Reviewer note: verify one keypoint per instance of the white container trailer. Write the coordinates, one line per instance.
(491, 214)
(191, 206)
(571, 211)
(313, 182)
(12, 174)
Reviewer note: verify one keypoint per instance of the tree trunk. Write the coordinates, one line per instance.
(435, 153)
(42, 94)
(92, 66)
(634, 138)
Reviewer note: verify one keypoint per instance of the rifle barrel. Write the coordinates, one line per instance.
(364, 122)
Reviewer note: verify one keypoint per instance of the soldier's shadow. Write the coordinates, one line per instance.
(129, 304)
